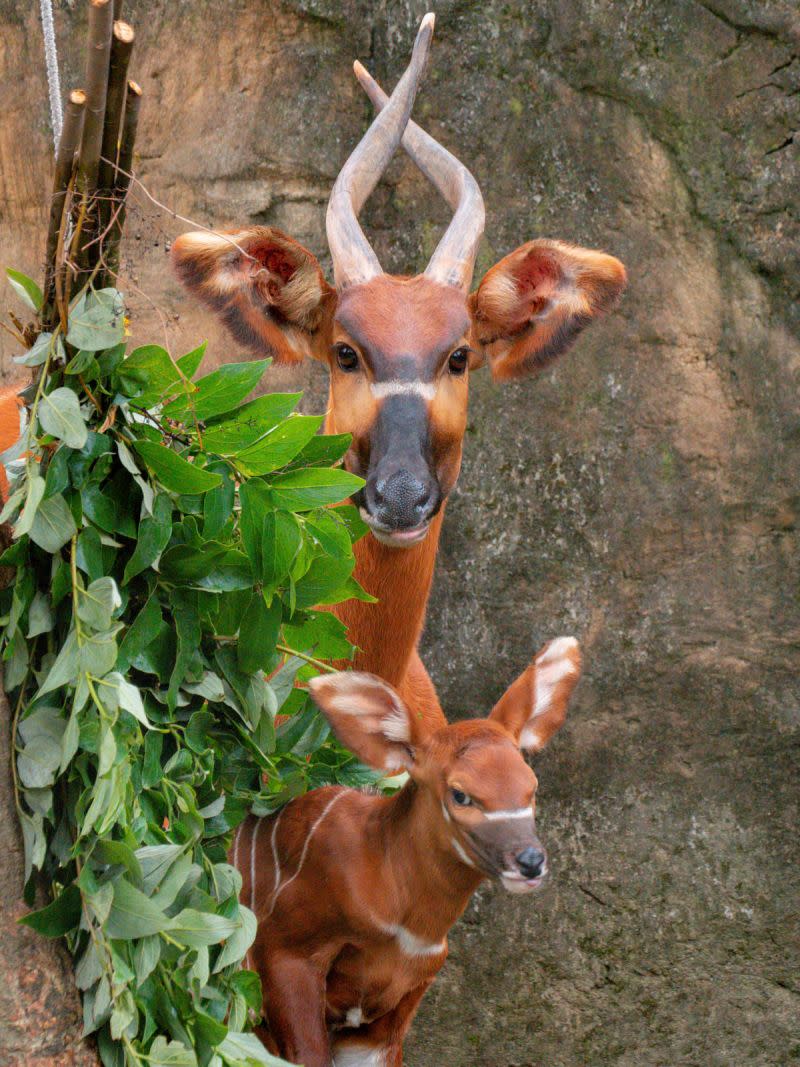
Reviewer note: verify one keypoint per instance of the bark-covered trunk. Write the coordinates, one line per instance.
(40, 1011)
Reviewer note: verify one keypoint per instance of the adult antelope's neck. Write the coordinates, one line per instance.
(387, 632)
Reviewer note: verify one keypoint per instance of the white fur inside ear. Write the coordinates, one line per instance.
(395, 724)
(553, 665)
(356, 693)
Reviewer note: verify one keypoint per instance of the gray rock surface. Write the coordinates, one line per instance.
(642, 495)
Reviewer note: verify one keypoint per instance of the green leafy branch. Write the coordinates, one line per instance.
(173, 544)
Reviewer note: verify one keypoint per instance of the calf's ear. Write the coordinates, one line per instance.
(534, 707)
(533, 304)
(268, 290)
(369, 718)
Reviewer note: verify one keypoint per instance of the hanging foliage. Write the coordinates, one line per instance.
(172, 543)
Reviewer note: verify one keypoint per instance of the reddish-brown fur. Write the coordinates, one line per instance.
(10, 427)
(355, 893)
(529, 308)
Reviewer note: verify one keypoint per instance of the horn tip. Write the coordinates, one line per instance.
(425, 32)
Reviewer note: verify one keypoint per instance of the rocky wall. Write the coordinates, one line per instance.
(643, 494)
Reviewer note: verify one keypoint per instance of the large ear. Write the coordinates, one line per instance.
(269, 291)
(369, 718)
(531, 306)
(534, 707)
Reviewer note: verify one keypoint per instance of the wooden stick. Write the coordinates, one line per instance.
(101, 19)
(121, 48)
(127, 142)
(97, 62)
(65, 162)
(117, 9)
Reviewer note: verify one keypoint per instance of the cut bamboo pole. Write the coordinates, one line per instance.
(65, 162)
(127, 143)
(97, 62)
(121, 48)
(101, 19)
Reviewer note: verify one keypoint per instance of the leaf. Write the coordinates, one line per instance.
(219, 391)
(89, 967)
(323, 450)
(53, 524)
(133, 915)
(174, 472)
(330, 533)
(65, 668)
(40, 349)
(130, 699)
(281, 541)
(249, 423)
(190, 363)
(237, 945)
(146, 955)
(33, 497)
(98, 654)
(280, 445)
(60, 415)
(196, 928)
(148, 374)
(187, 627)
(324, 576)
(258, 634)
(69, 742)
(98, 603)
(96, 320)
(153, 537)
(39, 759)
(323, 635)
(170, 1054)
(34, 841)
(315, 487)
(140, 633)
(244, 1050)
(25, 288)
(80, 363)
(57, 918)
(155, 861)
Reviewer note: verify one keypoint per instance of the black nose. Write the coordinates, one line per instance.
(531, 862)
(401, 500)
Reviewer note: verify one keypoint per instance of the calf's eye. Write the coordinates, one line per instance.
(346, 358)
(458, 361)
(460, 798)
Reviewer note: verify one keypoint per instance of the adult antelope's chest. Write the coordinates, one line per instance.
(367, 981)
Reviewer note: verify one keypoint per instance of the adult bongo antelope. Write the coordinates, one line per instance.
(399, 351)
(355, 893)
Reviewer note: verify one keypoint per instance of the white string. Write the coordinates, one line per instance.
(51, 62)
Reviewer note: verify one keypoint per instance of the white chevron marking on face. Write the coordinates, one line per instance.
(380, 390)
(517, 813)
(461, 853)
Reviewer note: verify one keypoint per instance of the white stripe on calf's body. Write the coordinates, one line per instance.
(280, 888)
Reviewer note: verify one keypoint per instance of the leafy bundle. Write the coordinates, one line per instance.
(171, 543)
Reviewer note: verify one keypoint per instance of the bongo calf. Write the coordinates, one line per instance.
(355, 893)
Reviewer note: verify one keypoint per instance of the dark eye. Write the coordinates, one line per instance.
(458, 361)
(460, 798)
(347, 358)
